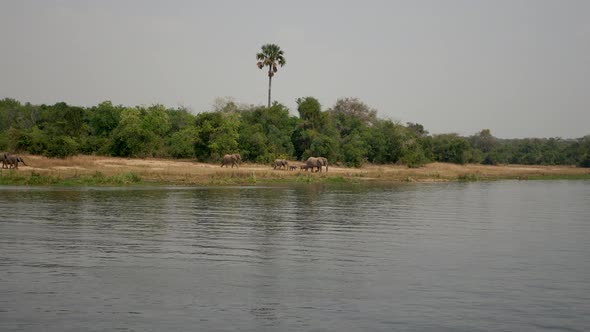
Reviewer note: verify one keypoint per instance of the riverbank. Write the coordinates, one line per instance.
(94, 170)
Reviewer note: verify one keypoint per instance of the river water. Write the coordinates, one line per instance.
(484, 256)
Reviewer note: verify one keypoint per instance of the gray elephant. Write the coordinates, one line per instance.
(324, 162)
(3, 159)
(281, 163)
(12, 161)
(232, 159)
(316, 162)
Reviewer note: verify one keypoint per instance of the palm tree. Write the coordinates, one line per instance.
(270, 56)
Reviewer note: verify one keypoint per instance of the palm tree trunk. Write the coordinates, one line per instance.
(269, 80)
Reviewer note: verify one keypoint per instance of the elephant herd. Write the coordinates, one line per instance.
(310, 164)
(10, 160)
(314, 164)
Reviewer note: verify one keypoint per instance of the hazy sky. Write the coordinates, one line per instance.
(519, 68)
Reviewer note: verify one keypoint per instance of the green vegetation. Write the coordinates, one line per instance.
(349, 133)
(97, 179)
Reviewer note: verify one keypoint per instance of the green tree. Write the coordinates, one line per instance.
(451, 148)
(314, 133)
(353, 121)
(385, 142)
(180, 118)
(265, 133)
(417, 128)
(310, 111)
(324, 146)
(182, 143)
(61, 147)
(271, 57)
(483, 141)
(104, 118)
(354, 150)
(62, 119)
(33, 140)
(218, 135)
(583, 151)
(130, 139)
(156, 120)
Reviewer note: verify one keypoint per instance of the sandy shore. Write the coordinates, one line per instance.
(191, 172)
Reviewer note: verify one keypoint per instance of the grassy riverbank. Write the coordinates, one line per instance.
(106, 171)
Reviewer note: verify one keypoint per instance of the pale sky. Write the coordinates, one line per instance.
(519, 68)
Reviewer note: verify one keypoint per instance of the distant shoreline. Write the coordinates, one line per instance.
(110, 171)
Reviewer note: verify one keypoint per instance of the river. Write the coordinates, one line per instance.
(482, 256)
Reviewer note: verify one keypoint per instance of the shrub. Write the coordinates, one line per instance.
(61, 147)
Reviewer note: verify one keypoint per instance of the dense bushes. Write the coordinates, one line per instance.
(349, 133)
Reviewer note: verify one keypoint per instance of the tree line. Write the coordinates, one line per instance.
(349, 133)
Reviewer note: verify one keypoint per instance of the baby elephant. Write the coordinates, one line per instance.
(292, 167)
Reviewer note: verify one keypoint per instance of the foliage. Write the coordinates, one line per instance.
(355, 110)
(348, 133)
(182, 143)
(271, 56)
(450, 148)
(265, 133)
(218, 135)
(102, 119)
(61, 147)
(385, 143)
(130, 138)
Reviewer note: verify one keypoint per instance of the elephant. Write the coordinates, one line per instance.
(324, 162)
(3, 159)
(12, 161)
(313, 162)
(292, 167)
(280, 163)
(232, 159)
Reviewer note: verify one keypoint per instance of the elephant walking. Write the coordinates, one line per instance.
(232, 159)
(316, 162)
(3, 159)
(12, 161)
(281, 163)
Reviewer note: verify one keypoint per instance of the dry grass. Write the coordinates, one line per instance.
(190, 172)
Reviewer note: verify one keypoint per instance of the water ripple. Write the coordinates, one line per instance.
(463, 257)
